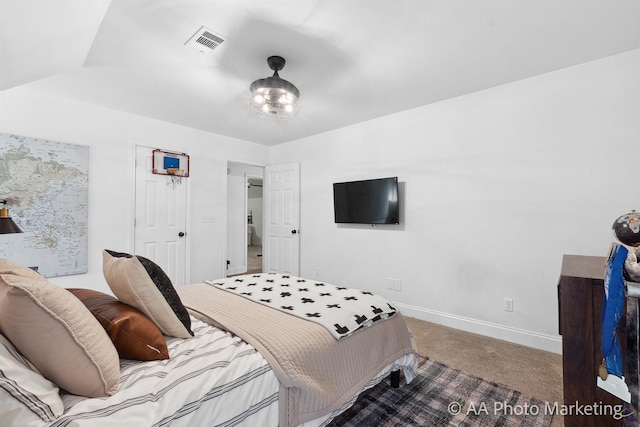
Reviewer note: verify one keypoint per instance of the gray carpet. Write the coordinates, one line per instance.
(443, 396)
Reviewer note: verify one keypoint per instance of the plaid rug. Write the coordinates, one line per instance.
(443, 396)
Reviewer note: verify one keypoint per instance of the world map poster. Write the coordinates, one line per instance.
(46, 186)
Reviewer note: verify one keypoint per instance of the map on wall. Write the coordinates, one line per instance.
(46, 184)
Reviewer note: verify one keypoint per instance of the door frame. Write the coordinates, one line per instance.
(225, 216)
(225, 232)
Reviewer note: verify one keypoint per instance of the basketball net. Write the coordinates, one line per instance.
(176, 177)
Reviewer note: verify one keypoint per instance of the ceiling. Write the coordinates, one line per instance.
(353, 60)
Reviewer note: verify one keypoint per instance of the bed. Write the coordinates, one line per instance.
(230, 358)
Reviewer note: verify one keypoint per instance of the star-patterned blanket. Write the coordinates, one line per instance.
(342, 311)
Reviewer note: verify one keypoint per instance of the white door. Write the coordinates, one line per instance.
(281, 243)
(160, 218)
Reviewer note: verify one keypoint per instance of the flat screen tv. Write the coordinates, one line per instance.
(373, 201)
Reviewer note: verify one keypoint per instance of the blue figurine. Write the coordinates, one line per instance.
(610, 377)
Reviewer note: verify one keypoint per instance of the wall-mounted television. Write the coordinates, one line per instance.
(372, 201)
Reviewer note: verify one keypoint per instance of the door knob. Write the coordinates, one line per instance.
(294, 231)
(181, 234)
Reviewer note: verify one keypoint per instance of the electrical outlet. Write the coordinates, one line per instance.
(318, 271)
(508, 304)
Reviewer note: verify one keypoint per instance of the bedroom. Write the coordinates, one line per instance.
(499, 184)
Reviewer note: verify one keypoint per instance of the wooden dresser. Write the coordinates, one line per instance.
(580, 298)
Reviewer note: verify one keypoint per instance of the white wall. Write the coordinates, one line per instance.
(112, 136)
(497, 186)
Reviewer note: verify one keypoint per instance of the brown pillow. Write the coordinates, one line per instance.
(132, 333)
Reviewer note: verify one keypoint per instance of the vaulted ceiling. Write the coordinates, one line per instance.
(353, 60)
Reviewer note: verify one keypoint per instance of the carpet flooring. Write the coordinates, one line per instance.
(531, 371)
(444, 396)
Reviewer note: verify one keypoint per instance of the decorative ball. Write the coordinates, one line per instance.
(627, 229)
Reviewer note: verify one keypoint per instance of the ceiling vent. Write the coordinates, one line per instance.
(205, 40)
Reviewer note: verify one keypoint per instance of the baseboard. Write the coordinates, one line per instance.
(519, 336)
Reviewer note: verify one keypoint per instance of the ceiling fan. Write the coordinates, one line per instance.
(274, 96)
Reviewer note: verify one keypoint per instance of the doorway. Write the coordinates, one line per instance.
(254, 223)
(244, 218)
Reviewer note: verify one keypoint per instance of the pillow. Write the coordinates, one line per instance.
(26, 397)
(11, 267)
(141, 283)
(132, 333)
(58, 334)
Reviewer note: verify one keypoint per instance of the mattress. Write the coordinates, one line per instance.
(215, 376)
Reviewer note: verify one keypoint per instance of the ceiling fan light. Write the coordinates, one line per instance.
(273, 96)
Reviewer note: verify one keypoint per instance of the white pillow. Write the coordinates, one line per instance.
(26, 397)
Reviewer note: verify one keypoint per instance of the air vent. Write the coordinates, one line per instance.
(205, 40)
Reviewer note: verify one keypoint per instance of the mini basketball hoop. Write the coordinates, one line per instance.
(174, 165)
